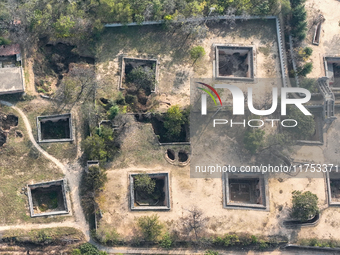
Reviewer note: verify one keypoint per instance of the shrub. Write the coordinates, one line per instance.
(150, 227)
(107, 236)
(166, 241)
(88, 249)
(262, 8)
(305, 205)
(253, 139)
(197, 52)
(254, 239)
(130, 99)
(263, 244)
(210, 252)
(120, 99)
(4, 41)
(227, 240)
(174, 120)
(113, 112)
(76, 252)
(144, 183)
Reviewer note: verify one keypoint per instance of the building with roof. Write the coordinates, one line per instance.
(11, 74)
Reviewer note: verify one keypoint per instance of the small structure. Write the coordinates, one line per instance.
(317, 32)
(47, 198)
(245, 191)
(11, 74)
(55, 128)
(163, 200)
(333, 186)
(234, 62)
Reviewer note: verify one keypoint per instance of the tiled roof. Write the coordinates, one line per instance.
(9, 50)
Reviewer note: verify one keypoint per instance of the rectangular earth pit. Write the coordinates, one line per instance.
(332, 70)
(55, 128)
(150, 66)
(48, 198)
(234, 62)
(245, 191)
(158, 199)
(333, 184)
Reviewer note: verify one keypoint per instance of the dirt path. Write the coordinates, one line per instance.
(72, 174)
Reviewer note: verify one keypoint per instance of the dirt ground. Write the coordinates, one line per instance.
(172, 51)
(140, 152)
(330, 34)
(206, 194)
(21, 164)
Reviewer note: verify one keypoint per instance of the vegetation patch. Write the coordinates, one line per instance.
(139, 80)
(46, 236)
(305, 205)
(173, 126)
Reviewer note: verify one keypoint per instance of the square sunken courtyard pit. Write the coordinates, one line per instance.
(47, 198)
(245, 191)
(55, 128)
(158, 200)
(234, 62)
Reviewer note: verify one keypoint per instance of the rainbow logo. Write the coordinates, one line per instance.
(209, 93)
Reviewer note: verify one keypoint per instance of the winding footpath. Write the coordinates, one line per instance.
(73, 176)
(73, 179)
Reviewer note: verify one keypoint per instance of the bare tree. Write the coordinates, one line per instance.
(194, 222)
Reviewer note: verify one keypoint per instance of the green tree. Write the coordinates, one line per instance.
(113, 112)
(63, 26)
(262, 8)
(299, 15)
(174, 120)
(298, 22)
(142, 77)
(296, 3)
(305, 123)
(107, 134)
(144, 183)
(150, 227)
(305, 205)
(305, 69)
(285, 7)
(96, 178)
(197, 52)
(253, 139)
(94, 148)
(310, 84)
